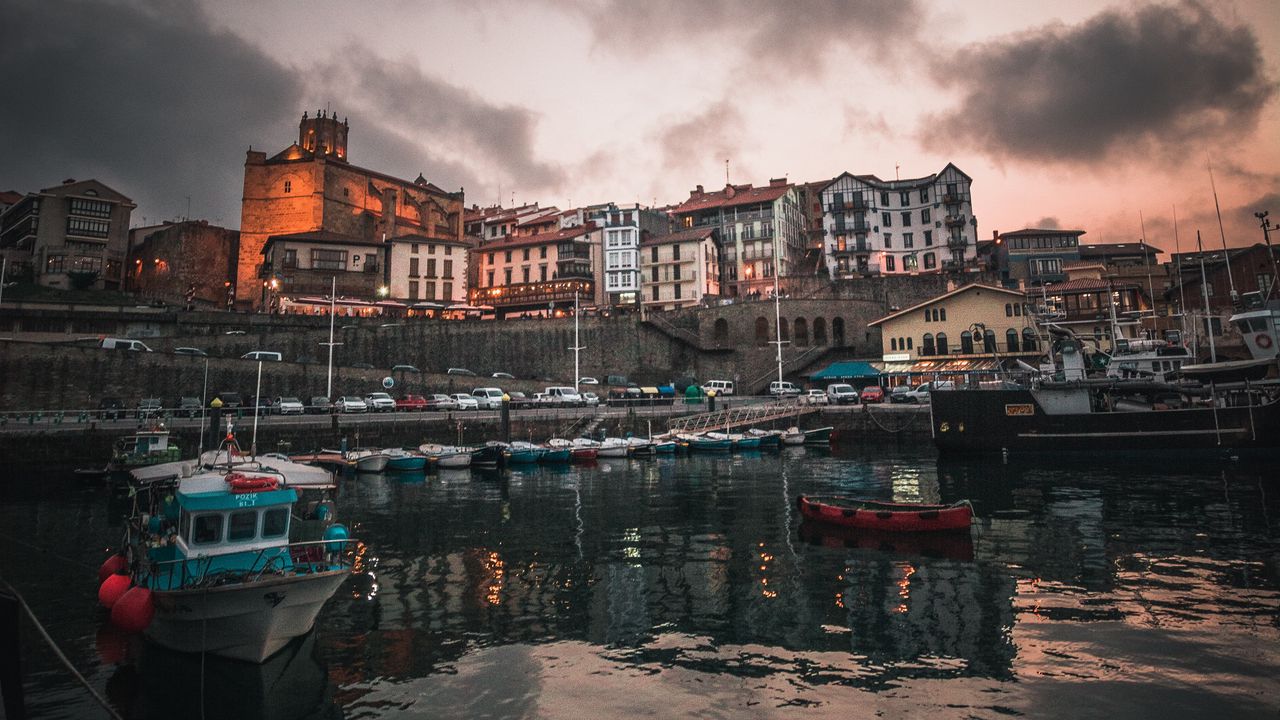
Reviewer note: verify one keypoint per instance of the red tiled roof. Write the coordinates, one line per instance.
(9, 197)
(741, 195)
(539, 239)
(1082, 285)
(701, 233)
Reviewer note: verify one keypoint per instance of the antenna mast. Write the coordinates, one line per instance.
(1225, 255)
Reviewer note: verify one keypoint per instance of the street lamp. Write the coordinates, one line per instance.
(383, 290)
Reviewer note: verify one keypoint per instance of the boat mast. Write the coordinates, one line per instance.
(1177, 251)
(333, 297)
(257, 403)
(1235, 298)
(577, 346)
(777, 312)
(1146, 260)
(204, 397)
(1266, 237)
(1204, 288)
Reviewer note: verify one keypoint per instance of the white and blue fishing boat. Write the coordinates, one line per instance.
(640, 446)
(818, 436)
(447, 456)
(209, 566)
(738, 441)
(488, 455)
(664, 447)
(768, 438)
(613, 447)
(400, 460)
(366, 460)
(705, 443)
(557, 450)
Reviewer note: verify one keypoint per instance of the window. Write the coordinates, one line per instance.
(906, 219)
(542, 252)
(506, 276)
(893, 344)
(908, 240)
(507, 256)
(884, 198)
(328, 259)
(904, 198)
(655, 287)
(926, 344)
(431, 288)
(942, 344)
(654, 255)
(242, 526)
(926, 216)
(490, 258)
(1264, 282)
(524, 273)
(542, 273)
(86, 227)
(930, 261)
(431, 267)
(888, 240)
(889, 263)
(677, 289)
(526, 254)
(989, 341)
(1008, 310)
(928, 238)
(448, 268)
(943, 313)
(291, 258)
(413, 267)
(288, 186)
(275, 522)
(927, 315)
(490, 284)
(1017, 309)
(346, 192)
(54, 263)
(675, 251)
(448, 249)
(886, 219)
(1011, 340)
(1208, 288)
(413, 290)
(675, 272)
(924, 196)
(653, 275)
(207, 530)
(1028, 339)
(413, 248)
(966, 342)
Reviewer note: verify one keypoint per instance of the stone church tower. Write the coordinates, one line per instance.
(323, 135)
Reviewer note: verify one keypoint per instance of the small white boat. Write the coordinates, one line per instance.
(792, 436)
(371, 461)
(447, 456)
(613, 448)
(640, 446)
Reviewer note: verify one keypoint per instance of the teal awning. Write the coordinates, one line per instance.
(845, 371)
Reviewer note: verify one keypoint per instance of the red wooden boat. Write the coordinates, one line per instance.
(895, 517)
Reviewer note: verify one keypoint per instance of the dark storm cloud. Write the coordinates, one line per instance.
(792, 34)
(152, 100)
(1047, 223)
(416, 105)
(702, 141)
(158, 107)
(1121, 84)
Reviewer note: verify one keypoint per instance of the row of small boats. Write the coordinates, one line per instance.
(559, 450)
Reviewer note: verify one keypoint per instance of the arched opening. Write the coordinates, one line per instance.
(762, 332)
(927, 347)
(801, 328)
(1011, 339)
(893, 344)
(837, 332)
(819, 331)
(784, 331)
(910, 343)
(722, 331)
(927, 314)
(989, 341)
(942, 344)
(966, 343)
(1008, 309)
(1029, 342)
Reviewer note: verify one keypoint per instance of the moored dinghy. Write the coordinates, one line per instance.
(447, 456)
(584, 449)
(521, 452)
(888, 516)
(364, 460)
(557, 450)
(613, 447)
(792, 436)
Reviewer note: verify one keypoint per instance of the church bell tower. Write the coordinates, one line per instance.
(323, 135)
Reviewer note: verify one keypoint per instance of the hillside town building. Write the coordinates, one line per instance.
(69, 236)
(681, 269)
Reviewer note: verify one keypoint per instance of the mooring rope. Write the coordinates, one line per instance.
(911, 419)
(58, 652)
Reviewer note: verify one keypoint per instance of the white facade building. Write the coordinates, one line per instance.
(896, 227)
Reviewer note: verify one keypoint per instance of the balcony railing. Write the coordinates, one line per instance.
(955, 221)
(952, 199)
(531, 293)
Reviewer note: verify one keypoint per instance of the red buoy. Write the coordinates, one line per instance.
(112, 589)
(112, 565)
(133, 611)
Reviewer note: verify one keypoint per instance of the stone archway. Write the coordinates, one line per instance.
(819, 331)
(784, 331)
(837, 332)
(762, 332)
(721, 332)
(800, 327)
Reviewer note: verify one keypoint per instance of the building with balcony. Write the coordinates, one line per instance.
(623, 228)
(1036, 256)
(761, 233)
(297, 268)
(311, 188)
(536, 275)
(972, 330)
(894, 227)
(1096, 307)
(73, 235)
(426, 273)
(681, 269)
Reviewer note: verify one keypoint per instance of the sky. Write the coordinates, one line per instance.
(1093, 115)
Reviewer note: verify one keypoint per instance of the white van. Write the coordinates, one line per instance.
(783, 388)
(488, 398)
(262, 355)
(123, 344)
(561, 395)
(842, 394)
(922, 392)
(721, 387)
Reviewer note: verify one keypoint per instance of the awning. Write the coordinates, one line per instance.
(951, 367)
(324, 301)
(894, 368)
(463, 307)
(428, 306)
(389, 303)
(845, 371)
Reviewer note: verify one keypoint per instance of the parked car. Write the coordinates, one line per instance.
(350, 404)
(111, 343)
(405, 368)
(872, 394)
(561, 395)
(922, 392)
(720, 387)
(261, 405)
(411, 403)
(503, 375)
(190, 351)
(459, 371)
(150, 408)
(488, 398)
(842, 394)
(465, 401)
(262, 355)
(110, 408)
(380, 402)
(782, 388)
(518, 400)
(230, 400)
(289, 406)
(233, 332)
(188, 407)
(900, 394)
(815, 397)
(319, 405)
(440, 401)
(588, 381)
(590, 399)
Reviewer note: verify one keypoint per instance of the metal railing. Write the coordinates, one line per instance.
(738, 417)
(297, 558)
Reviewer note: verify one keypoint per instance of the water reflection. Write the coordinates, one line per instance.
(545, 580)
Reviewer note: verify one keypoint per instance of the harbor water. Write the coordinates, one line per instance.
(688, 587)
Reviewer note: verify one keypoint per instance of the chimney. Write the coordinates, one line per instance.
(776, 182)
(699, 191)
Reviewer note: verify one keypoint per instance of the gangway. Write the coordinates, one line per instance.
(746, 415)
